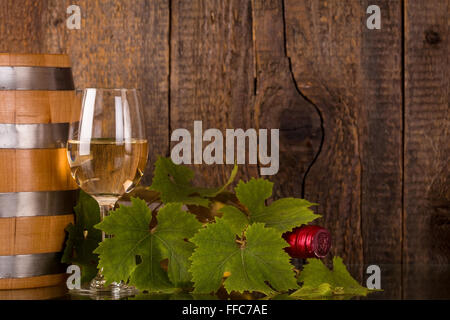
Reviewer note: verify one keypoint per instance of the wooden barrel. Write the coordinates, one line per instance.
(37, 192)
(44, 293)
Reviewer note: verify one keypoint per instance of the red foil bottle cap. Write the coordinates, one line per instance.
(308, 242)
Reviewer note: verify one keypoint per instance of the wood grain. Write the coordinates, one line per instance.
(26, 170)
(44, 293)
(35, 170)
(36, 106)
(33, 282)
(353, 76)
(20, 26)
(279, 104)
(120, 44)
(211, 75)
(427, 150)
(34, 60)
(375, 161)
(314, 30)
(31, 106)
(7, 228)
(381, 143)
(29, 235)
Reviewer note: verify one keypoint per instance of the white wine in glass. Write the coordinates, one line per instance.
(107, 152)
(106, 168)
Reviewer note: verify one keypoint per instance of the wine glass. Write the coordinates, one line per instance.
(107, 152)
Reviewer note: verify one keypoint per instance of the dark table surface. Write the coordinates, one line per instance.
(437, 275)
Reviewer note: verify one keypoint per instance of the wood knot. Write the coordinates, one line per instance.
(57, 22)
(432, 37)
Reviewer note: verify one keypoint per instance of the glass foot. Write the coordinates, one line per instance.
(98, 285)
(97, 290)
(114, 290)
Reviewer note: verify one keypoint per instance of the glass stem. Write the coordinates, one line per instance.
(104, 211)
(98, 283)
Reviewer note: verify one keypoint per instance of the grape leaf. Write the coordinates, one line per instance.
(130, 227)
(254, 193)
(83, 238)
(258, 259)
(132, 238)
(167, 241)
(236, 220)
(319, 281)
(323, 291)
(174, 184)
(283, 214)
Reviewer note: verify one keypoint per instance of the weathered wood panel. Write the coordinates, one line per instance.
(20, 26)
(325, 66)
(427, 150)
(211, 75)
(353, 76)
(381, 141)
(279, 104)
(310, 68)
(120, 44)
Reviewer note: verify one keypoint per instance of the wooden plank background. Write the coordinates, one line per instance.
(363, 114)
